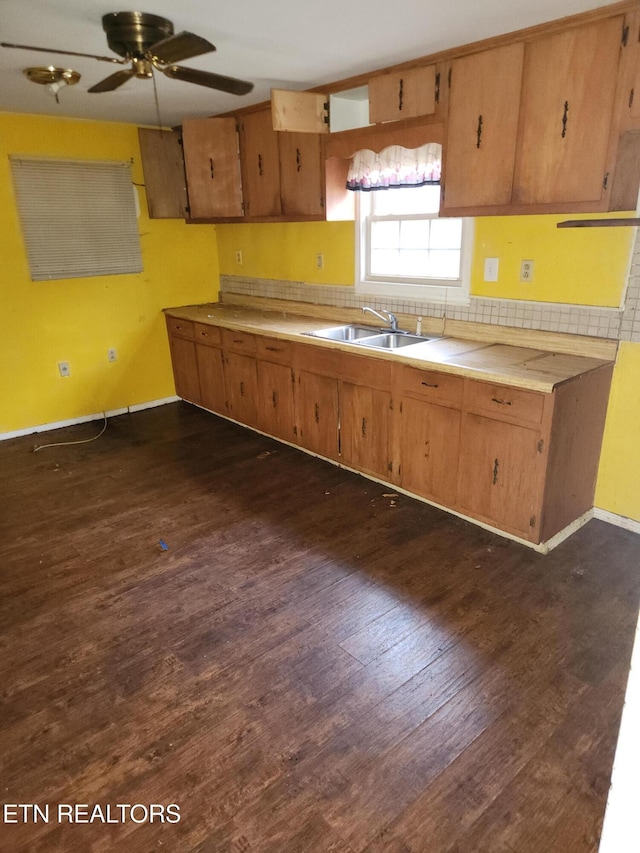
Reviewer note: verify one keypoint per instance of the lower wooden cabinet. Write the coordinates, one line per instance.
(522, 461)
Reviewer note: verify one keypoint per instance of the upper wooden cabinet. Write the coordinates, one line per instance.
(164, 178)
(260, 158)
(301, 175)
(403, 94)
(482, 128)
(568, 93)
(212, 164)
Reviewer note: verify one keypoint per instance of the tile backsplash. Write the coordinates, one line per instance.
(613, 323)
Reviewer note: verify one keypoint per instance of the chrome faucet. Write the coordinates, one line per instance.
(391, 319)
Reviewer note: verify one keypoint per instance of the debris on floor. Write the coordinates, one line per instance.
(163, 545)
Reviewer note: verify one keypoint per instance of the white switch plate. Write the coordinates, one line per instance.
(64, 369)
(491, 269)
(319, 261)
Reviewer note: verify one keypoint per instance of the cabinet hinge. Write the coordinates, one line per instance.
(437, 87)
(327, 109)
(295, 430)
(605, 181)
(532, 521)
(625, 35)
(391, 405)
(390, 467)
(541, 445)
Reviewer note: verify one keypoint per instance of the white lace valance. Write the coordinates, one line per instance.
(395, 167)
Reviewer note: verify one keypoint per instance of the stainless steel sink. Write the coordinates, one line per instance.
(393, 340)
(351, 332)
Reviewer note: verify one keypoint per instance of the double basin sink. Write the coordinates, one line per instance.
(366, 336)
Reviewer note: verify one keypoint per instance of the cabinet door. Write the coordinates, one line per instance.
(164, 178)
(212, 164)
(430, 448)
(482, 127)
(210, 370)
(301, 175)
(185, 368)
(500, 479)
(567, 103)
(260, 165)
(403, 94)
(299, 112)
(316, 406)
(365, 429)
(275, 398)
(241, 384)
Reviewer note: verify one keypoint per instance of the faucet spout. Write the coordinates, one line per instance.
(390, 318)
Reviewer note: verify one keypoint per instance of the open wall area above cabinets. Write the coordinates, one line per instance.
(544, 120)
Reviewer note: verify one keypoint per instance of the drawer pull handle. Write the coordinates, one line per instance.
(238, 341)
(500, 401)
(429, 384)
(273, 349)
(495, 472)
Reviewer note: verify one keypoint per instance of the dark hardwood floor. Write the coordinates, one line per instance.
(312, 665)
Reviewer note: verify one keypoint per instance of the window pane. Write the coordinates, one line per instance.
(444, 264)
(384, 261)
(406, 200)
(414, 234)
(385, 235)
(414, 263)
(446, 233)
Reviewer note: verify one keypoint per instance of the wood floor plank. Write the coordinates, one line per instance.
(306, 668)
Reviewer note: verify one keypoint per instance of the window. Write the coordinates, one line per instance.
(78, 217)
(403, 249)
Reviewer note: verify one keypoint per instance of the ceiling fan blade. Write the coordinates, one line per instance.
(63, 52)
(113, 81)
(178, 47)
(206, 78)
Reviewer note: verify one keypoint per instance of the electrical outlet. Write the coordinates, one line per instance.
(491, 269)
(63, 367)
(526, 271)
(112, 354)
(319, 261)
(239, 257)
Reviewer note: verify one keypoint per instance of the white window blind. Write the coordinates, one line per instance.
(78, 217)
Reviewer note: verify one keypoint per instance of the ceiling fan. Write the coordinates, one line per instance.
(146, 42)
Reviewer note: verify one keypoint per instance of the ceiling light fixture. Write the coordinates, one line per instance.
(53, 78)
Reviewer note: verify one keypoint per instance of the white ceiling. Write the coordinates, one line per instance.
(294, 44)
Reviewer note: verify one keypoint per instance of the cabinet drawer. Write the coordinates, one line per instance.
(240, 342)
(181, 328)
(316, 359)
(274, 350)
(505, 403)
(206, 334)
(373, 372)
(431, 385)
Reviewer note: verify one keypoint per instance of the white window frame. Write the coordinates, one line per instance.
(426, 290)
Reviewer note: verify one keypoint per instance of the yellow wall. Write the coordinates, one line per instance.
(583, 266)
(77, 320)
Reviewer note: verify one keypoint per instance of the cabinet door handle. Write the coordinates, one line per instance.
(400, 94)
(479, 132)
(298, 160)
(500, 401)
(274, 399)
(429, 384)
(242, 389)
(317, 411)
(260, 172)
(495, 472)
(565, 117)
(364, 427)
(213, 171)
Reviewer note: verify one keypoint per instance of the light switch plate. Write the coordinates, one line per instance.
(491, 269)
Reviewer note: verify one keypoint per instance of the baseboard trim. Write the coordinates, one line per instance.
(618, 520)
(83, 419)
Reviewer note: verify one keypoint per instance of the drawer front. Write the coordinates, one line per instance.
(206, 334)
(240, 342)
(180, 328)
(316, 359)
(431, 385)
(274, 350)
(372, 372)
(505, 403)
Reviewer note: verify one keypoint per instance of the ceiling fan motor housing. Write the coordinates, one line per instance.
(132, 34)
